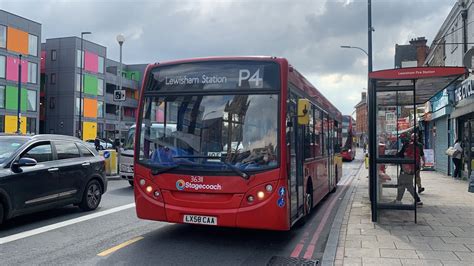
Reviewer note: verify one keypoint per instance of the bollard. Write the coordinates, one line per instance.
(366, 160)
(471, 183)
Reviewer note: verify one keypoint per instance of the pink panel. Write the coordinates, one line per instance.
(43, 61)
(12, 69)
(91, 62)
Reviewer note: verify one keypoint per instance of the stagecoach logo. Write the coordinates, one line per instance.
(181, 185)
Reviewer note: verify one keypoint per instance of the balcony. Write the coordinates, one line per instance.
(128, 119)
(113, 79)
(109, 116)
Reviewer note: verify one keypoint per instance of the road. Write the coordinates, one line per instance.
(114, 235)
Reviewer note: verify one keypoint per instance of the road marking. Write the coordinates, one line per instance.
(51, 227)
(328, 209)
(310, 249)
(117, 247)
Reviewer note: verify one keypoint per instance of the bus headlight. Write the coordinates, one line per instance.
(142, 182)
(260, 195)
(149, 189)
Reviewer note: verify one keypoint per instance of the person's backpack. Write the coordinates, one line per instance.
(411, 151)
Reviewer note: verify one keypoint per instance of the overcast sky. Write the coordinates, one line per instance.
(308, 33)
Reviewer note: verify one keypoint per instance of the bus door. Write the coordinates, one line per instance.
(331, 172)
(294, 144)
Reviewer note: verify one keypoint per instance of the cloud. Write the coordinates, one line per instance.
(307, 32)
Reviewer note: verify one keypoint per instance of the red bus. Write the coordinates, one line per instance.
(348, 151)
(245, 142)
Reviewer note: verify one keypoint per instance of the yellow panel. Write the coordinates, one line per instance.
(90, 130)
(10, 124)
(17, 40)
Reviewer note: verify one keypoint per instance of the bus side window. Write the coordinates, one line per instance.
(317, 132)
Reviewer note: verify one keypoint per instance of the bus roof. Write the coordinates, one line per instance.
(219, 58)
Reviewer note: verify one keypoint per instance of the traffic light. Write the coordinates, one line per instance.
(119, 95)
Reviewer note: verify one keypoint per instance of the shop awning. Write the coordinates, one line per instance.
(427, 81)
(466, 108)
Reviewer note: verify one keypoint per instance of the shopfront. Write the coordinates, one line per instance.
(438, 128)
(464, 115)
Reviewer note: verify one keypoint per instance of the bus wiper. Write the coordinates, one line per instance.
(157, 171)
(241, 173)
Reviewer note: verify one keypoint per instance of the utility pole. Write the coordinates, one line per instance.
(18, 123)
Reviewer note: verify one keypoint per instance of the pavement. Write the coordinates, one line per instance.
(443, 234)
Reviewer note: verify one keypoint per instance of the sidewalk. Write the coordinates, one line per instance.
(444, 234)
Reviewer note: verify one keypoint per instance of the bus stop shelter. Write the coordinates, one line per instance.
(394, 98)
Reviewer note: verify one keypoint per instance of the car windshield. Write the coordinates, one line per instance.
(218, 132)
(8, 146)
(130, 140)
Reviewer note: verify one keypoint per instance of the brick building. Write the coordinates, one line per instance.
(361, 120)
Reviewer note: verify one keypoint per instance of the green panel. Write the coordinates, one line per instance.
(90, 84)
(136, 75)
(12, 98)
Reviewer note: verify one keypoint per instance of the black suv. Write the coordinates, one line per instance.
(46, 171)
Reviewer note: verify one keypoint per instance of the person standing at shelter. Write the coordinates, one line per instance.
(457, 155)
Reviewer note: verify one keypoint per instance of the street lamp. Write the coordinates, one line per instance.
(79, 130)
(18, 123)
(354, 47)
(120, 40)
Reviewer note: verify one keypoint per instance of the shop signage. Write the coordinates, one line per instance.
(465, 90)
(429, 158)
(440, 100)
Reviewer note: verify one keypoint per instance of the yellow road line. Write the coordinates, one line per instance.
(124, 244)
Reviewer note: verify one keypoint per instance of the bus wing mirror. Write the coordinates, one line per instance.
(303, 111)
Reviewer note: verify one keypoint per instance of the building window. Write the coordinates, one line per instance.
(3, 62)
(101, 65)
(100, 130)
(2, 97)
(53, 55)
(30, 125)
(32, 95)
(32, 72)
(79, 59)
(78, 82)
(53, 78)
(32, 45)
(100, 109)
(76, 110)
(2, 123)
(100, 87)
(3, 36)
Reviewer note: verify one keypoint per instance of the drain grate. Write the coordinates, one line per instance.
(277, 260)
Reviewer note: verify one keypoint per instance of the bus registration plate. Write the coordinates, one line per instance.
(197, 219)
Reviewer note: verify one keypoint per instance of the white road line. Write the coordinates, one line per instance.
(51, 227)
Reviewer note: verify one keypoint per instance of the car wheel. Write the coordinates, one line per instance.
(130, 182)
(1, 213)
(92, 196)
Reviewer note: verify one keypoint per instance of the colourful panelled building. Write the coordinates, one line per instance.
(19, 36)
(61, 76)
